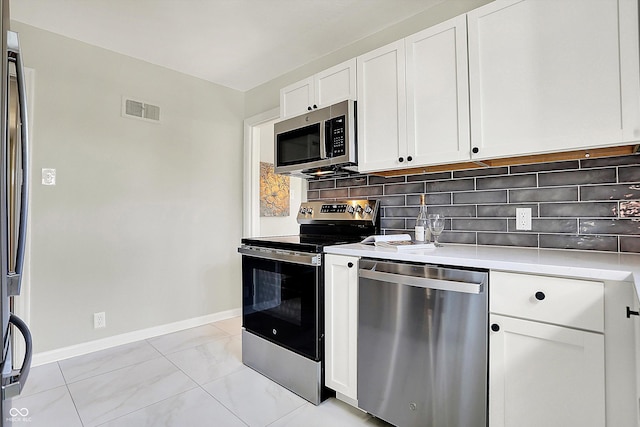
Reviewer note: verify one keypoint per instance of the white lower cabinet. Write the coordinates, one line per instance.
(545, 369)
(340, 325)
(544, 375)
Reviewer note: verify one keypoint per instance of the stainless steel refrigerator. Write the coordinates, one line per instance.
(14, 197)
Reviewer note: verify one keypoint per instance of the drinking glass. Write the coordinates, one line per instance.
(436, 225)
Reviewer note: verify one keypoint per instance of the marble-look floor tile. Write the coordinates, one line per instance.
(254, 398)
(193, 408)
(232, 326)
(210, 361)
(331, 412)
(100, 362)
(187, 338)
(50, 408)
(43, 377)
(111, 395)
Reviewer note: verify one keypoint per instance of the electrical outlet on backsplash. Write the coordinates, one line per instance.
(629, 209)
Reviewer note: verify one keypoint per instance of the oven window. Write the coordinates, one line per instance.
(280, 303)
(267, 297)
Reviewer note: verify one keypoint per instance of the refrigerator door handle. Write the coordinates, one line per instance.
(15, 279)
(13, 384)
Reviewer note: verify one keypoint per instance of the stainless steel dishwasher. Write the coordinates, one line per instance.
(422, 344)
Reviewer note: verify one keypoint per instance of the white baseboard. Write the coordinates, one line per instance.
(129, 337)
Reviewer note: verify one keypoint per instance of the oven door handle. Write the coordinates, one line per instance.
(314, 260)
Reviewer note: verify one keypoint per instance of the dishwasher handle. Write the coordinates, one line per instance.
(424, 282)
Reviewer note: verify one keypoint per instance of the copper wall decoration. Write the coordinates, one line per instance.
(274, 192)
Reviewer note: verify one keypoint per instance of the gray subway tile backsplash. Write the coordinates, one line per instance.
(590, 204)
(588, 176)
(450, 185)
(610, 192)
(610, 226)
(507, 181)
(561, 194)
(629, 244)
(629, 174)
(359, 192)
(579, 209)
(539, 167)
(414, 187)
(480, 197)
(580, 242)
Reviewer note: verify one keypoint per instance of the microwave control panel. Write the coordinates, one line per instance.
(335, 131)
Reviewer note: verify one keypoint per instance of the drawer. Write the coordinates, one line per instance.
(567, 302)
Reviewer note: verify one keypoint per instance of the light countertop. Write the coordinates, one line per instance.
(567, 263)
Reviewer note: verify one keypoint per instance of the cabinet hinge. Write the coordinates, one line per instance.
(632, 313)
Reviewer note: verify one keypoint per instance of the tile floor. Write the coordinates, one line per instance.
(189, 378)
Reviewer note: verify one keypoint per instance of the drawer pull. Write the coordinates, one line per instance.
(350, 264)
(540, 296)
(495, 327)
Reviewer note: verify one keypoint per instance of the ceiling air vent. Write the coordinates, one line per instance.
(140, 110)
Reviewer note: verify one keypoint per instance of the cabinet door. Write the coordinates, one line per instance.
(336, 84)
(382, 111)
(438, 94)
(296, 98)
(341, 323)
(545, 375)
(553, 75)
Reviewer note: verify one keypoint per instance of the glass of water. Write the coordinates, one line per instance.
(436, 225)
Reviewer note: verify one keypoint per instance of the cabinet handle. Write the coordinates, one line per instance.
(309, 108)
(315, 106)
(409, 158)
(495, 327)
(401, 159)
(349, 264)
(540, 296)
(475, 150)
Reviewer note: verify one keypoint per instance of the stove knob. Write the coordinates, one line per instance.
(367, 209)
(310, 211)
(303, 211)
(350, 209)
(358, 208)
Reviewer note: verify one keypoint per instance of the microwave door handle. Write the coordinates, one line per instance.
(328, 146)
(15, 279)
(323, 142)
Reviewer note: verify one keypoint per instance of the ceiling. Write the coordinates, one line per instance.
(235, 43)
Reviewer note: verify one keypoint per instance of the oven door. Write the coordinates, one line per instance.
(281, 297)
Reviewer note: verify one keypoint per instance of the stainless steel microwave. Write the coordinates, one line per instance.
(318, 142)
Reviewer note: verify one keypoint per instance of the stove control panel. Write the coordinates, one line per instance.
(319, 212)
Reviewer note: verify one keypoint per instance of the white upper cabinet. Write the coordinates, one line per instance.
(549, 76)
(325, 88)
(296, 98)
(438, 94)
(413, 100)
(382, 109)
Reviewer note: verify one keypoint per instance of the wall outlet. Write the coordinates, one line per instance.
(99, 320)
(523, 218)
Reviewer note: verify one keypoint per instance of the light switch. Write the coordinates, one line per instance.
(48, 176)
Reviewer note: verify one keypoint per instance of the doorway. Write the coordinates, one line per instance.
(259, 148)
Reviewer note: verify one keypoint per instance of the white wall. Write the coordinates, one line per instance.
(142, 221)
(280, 226)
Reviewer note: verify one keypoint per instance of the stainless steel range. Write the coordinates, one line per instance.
(283, 293)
